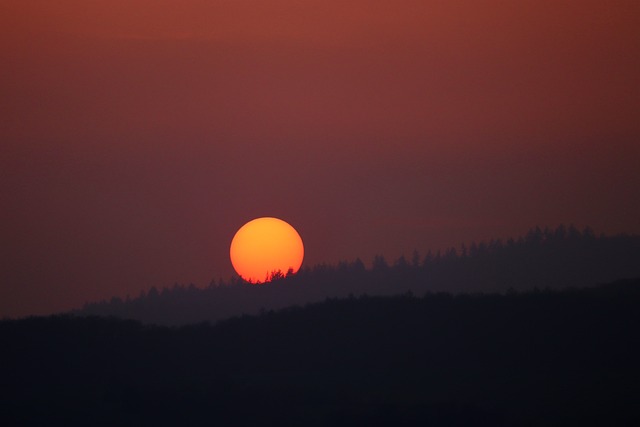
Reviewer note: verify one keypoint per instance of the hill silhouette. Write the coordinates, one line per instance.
(539, 358)
(554, 259)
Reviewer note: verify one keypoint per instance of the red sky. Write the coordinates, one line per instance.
(137, 136)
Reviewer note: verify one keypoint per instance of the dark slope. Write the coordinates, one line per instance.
(553, 259)
(538, 358)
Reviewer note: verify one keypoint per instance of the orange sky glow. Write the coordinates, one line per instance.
(138, 136)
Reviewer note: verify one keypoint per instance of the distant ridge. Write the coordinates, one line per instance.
(543, 258)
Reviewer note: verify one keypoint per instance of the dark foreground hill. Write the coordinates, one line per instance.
(554, 259)
(528, 359)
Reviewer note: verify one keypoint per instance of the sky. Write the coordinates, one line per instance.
(136, 136)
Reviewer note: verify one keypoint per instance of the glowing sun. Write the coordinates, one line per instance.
(264, 246)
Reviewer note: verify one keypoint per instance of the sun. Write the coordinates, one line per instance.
(264, 246)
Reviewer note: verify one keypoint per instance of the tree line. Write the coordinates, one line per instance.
(543, 258)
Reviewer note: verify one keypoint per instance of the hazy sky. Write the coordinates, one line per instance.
(138, 135)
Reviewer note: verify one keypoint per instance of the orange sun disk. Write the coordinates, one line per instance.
(264, 246)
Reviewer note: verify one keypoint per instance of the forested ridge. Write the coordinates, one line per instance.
(537, 358)
(543, 258)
